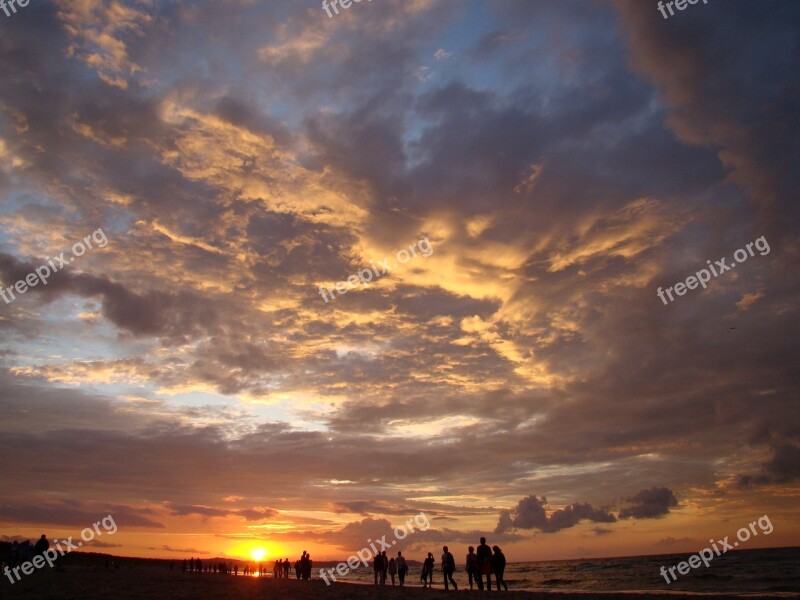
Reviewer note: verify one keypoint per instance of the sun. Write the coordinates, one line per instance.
(258, 554)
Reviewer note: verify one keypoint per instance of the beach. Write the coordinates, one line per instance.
(159, 583)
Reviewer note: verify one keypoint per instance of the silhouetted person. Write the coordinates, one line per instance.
(484, 554)
(448, 567)
(198, 565)
(41, 545)
(384, 567)
(286, 568)
(499, 566)
(191, 565)
(472, 566)
(402, 568)
(392, 569)
(377, 567)
(427, 570)
(13, 554)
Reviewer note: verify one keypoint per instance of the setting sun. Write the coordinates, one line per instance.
(258, 554)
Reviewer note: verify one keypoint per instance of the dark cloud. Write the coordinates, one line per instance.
(649, 504)
(530, 514)
(75, 513)
(783, 467)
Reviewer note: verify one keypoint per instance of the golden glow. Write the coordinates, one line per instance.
(258, 554)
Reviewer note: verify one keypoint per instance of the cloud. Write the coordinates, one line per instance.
(530, 514)
(652, 503)
(782, 467)
(76, 513)
(101, 544)
(166, 548)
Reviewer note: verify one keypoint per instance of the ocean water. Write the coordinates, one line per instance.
(738, 572)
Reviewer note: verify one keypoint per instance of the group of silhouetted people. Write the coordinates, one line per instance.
(302, 568)
(483, 563)
(19, 553)
(195, 565)
(383, 566)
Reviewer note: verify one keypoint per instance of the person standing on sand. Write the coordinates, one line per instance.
(384, 567)
(484, 554)
(448, 568)
(402, 568)
(392, 569)
(499, 566)
(191, 565)
(377, 567)
(427, 570)
(472, 566)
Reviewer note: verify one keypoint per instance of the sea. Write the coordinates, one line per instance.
(741, 572)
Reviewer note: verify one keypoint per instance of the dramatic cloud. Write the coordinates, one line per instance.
(530, 514)
(649, 504)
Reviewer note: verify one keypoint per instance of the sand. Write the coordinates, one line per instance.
(152, 583)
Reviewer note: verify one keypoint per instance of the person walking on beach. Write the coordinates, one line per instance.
(191, 565)
(499, 566)
(427, 571)
(384, 567)
(472, 566)
(484, 554)
(448, 568)
(377, 567)
(392, 569)
(402, 568)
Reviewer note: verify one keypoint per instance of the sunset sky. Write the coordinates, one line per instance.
(522, 380)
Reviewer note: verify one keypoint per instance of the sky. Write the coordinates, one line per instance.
(321, 274)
